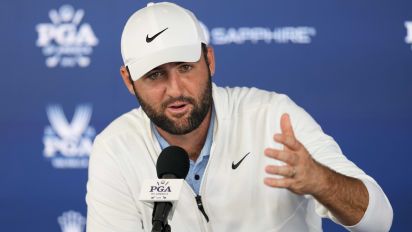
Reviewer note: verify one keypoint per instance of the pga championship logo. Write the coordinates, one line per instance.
(66, 41)
(162, 187)
(71, 221)
(68, 144)
(408, 38)
(160, 191)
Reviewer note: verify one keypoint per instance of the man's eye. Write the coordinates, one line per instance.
(185, 67)
(154, 75)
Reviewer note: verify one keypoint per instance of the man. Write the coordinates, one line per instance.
(241, 177)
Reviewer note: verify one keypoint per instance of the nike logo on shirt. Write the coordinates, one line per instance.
(234, 166)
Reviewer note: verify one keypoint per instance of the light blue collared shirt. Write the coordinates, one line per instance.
(197, 169)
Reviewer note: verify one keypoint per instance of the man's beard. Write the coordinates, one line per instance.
(196, 117)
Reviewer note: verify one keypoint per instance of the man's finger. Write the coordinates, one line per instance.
(283, 170)
(285, 156)
(289, 141)
(286, 125)
(278, 182)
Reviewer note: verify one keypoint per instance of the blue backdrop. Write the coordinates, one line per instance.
(348, 63)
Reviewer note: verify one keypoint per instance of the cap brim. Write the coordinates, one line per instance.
(186, 53)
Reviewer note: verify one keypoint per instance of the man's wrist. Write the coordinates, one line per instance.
(325, 182)
(346, 197)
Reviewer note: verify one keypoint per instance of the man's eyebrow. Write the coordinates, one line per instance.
(153, 70)
(160, 68)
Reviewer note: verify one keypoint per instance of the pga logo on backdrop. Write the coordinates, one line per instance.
(68, 145)
(66, 41)
(71, 221)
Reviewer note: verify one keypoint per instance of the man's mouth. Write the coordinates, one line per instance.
(178, 108)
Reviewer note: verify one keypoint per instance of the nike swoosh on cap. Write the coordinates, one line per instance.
(150, 39)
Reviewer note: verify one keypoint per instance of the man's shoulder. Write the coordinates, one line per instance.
(131, 122)
(250, 98)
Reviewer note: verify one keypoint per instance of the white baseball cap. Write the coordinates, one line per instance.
(160, 33)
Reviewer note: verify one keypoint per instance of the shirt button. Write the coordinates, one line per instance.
(197, 177)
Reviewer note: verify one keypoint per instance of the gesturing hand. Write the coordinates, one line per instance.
(301, 173)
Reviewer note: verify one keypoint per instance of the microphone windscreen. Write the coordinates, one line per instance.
(173, 160)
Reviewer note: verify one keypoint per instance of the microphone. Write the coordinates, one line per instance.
(173, 163)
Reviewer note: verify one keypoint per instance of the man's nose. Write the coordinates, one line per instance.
(174, 85)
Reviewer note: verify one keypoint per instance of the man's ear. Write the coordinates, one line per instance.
(211, 59)
(126, 79)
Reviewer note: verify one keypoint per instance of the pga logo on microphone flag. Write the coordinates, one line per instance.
(161, 190)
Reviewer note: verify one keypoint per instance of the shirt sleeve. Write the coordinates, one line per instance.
(324, 149)
(110, 207)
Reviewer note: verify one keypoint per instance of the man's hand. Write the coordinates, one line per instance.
(346, 197)
(302, 174)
